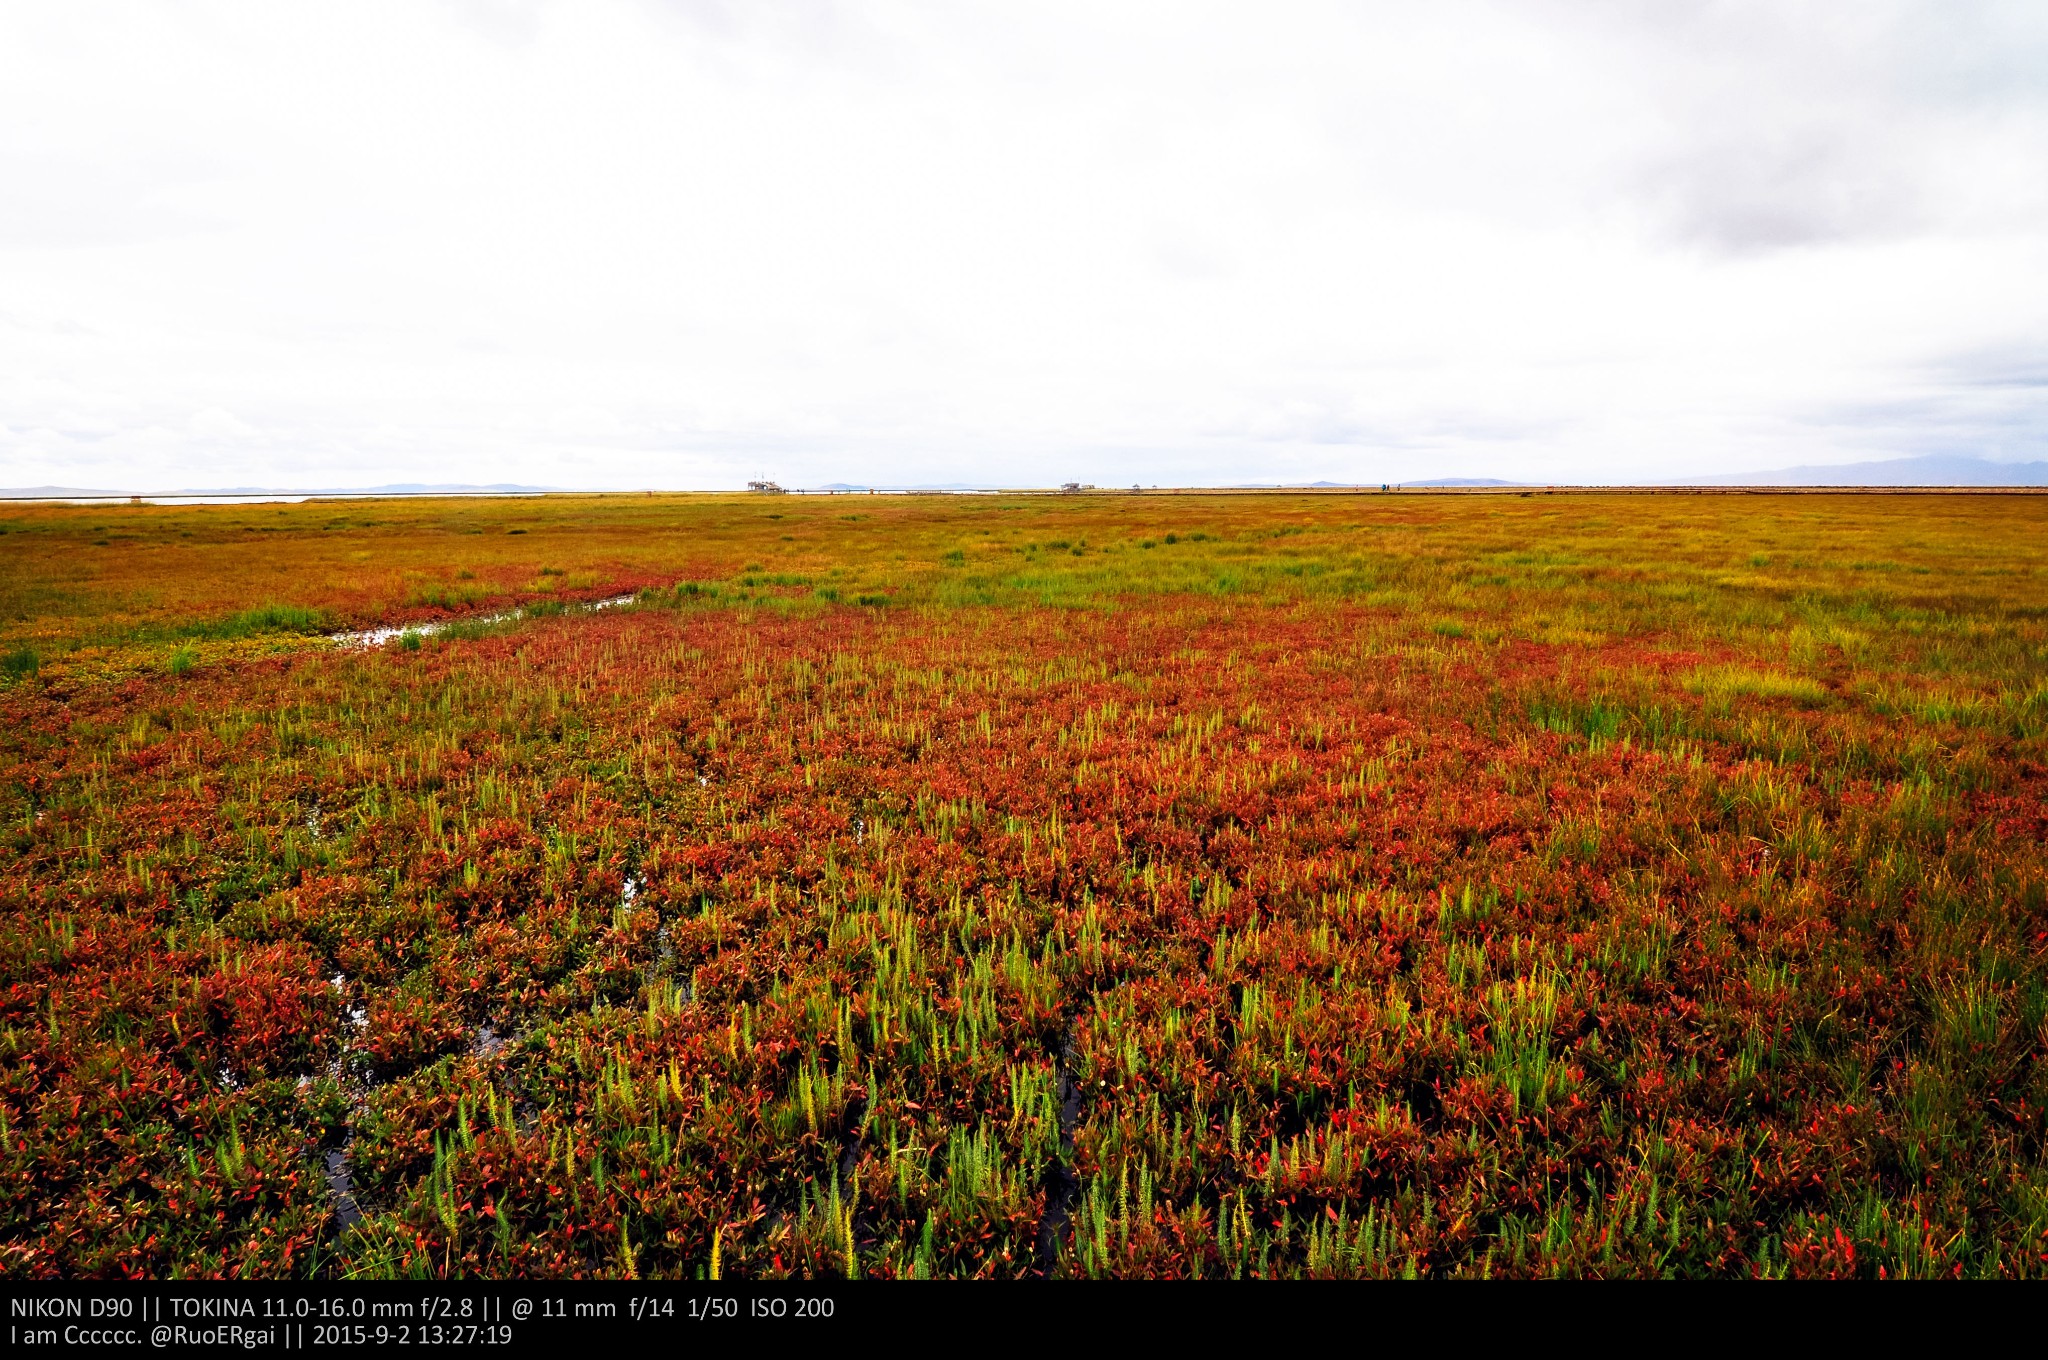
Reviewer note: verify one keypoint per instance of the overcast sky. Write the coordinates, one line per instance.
(685, 244)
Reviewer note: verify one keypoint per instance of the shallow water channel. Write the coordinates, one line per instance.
(378, 637)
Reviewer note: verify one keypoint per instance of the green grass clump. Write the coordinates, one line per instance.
(471, 630)
(265, 619)
(1722, 685)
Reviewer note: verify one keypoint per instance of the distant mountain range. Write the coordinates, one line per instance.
(1931, 470)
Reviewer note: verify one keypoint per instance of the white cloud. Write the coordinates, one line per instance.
(684, 244)
(214, 423)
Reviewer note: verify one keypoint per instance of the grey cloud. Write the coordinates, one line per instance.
(1964, 406)
(1776, 188)
(2023, 367)
(1766, 125)
(690, 241)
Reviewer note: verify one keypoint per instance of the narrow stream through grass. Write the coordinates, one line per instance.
(1062, 1187)
(340, 1186)
(387, 634)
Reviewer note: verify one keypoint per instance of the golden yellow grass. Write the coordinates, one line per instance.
(1938, 599)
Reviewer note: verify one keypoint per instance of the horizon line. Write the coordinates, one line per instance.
(81, 496)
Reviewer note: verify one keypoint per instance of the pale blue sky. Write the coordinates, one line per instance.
(625, 243)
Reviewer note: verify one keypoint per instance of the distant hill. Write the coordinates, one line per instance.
(52, 493)
(1932, 470)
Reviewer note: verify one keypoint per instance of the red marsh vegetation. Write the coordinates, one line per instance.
(1086, 886)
